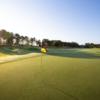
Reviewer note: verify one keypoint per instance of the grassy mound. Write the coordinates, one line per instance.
(17, 51)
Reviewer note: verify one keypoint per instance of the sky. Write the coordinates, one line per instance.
(66, 20)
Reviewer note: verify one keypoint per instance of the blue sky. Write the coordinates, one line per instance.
(67, 20)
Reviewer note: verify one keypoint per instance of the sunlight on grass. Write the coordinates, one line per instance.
(59, 77)
(95, 51)
(3, 54)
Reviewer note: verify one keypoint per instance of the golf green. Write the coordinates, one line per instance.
(72, 74)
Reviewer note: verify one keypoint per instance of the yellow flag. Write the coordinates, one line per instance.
(43, 50)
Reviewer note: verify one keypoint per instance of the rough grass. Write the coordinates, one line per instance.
(58, 77)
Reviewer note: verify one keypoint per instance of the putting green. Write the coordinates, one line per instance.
(63, 75)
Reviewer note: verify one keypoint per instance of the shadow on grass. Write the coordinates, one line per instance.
(75, 53)
(18, 51)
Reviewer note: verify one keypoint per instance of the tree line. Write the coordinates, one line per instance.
(14, 39)
(59, 43)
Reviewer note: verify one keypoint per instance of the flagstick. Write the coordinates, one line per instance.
(41, 58)
(42, 55)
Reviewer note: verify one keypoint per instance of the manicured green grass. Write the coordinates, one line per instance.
(72, 74)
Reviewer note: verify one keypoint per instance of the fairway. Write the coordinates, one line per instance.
(63, 74)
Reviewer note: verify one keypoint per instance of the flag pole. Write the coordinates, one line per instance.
(43, 51)
(41, 58)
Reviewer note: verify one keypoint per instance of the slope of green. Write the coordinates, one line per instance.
(57, 77)
(17, 51)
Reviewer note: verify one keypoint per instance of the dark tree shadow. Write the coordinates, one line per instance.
(74, 54)
(18, 51)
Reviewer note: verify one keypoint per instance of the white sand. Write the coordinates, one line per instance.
(16, 57)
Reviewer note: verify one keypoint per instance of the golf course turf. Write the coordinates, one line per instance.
(62, 74)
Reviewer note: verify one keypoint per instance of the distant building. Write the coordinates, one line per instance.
(3, 41)
(34, 43)
(14, 41)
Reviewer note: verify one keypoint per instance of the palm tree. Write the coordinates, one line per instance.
(10, 40)
(7, 36)
(17, 37)
(39, 43)
(32, 41)
(21, 40)
(27, 40)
